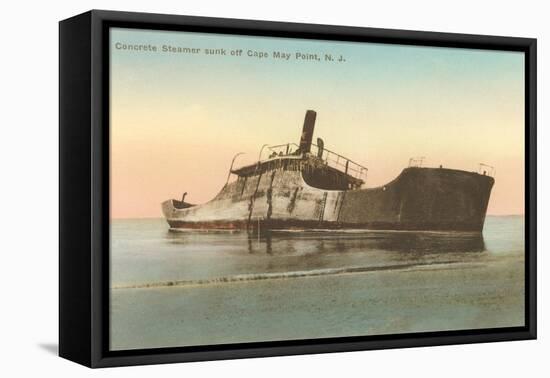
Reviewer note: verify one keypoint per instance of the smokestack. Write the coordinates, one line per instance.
(307, 131)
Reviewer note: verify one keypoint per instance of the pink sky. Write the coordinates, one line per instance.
(177, 121)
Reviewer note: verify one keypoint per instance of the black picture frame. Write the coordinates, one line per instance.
(84, 187)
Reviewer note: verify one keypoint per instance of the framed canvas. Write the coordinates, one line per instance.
(235, 188)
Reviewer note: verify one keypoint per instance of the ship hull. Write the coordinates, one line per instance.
(419, 199)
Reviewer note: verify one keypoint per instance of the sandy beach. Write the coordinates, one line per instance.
(429, 298)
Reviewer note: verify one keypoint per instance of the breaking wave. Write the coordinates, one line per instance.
(282, 275)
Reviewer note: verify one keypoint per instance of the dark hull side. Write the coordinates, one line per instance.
(419, 199)
(422, 199)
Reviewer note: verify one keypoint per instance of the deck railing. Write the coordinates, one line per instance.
(483, 169)
(328, 157)
(486, 170)
(416, 161)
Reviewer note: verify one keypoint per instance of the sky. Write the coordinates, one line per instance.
(177, 119)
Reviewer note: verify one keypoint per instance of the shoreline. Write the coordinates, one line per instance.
(380, 302)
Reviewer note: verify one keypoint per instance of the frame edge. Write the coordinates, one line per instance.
(75, 272)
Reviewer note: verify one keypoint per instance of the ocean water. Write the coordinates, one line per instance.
(215, 287)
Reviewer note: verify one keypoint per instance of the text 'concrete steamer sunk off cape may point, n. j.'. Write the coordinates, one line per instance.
(307, 186)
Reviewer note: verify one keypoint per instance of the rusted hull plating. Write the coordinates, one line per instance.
(426, 199)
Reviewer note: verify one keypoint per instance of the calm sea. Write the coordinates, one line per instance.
(197, 287)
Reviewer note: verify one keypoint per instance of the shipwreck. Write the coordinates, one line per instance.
(306, 186)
